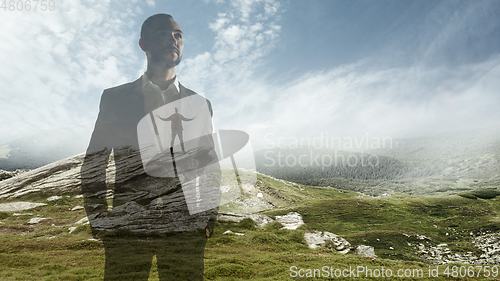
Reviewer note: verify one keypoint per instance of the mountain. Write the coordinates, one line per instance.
(437, 164)
(42, 148)
(406, 231)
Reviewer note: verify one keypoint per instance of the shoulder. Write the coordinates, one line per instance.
(124, 88)
(126, 93)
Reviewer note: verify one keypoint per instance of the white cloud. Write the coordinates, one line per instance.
(241, 42)
(394, 102)
(53, 63)
(379, 95)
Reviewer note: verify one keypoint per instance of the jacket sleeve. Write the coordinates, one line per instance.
(93, 170)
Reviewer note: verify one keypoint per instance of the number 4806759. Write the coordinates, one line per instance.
(28, 5)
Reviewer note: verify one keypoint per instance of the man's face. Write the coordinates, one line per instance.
(164, 43)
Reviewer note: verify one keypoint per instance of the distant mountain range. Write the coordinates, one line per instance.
(473, 154)
(442, 163)
(42, 148)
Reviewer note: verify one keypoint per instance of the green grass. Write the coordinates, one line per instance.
(381, 222)
(46, 251)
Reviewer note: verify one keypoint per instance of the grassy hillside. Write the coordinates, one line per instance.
(47, 251)
(438, 165)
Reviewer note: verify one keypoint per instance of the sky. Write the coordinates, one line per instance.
(271, 68)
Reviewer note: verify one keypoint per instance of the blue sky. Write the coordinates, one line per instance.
(289, 68)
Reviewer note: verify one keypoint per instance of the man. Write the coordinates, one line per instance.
(148, 215)
(176, 127)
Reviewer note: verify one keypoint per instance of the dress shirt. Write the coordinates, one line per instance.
(154, 97)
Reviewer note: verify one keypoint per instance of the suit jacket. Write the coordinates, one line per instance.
(134, 192)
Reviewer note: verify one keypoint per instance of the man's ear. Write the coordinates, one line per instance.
(143, 44)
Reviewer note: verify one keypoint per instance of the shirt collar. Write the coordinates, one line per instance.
(146, 81)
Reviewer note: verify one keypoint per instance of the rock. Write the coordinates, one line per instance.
(422, 237)
(235, 233)
(22, 214)
(8, 174)
(19, 206)
(76, 208)
(54, 198)
(363, 250)
(83, 221)
(36, 220)
(291, 220)
(260, 220)
(65, 176)
(56, 178)
(328, 240)
(72, 228)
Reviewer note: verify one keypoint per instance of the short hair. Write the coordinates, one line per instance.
(146, 26)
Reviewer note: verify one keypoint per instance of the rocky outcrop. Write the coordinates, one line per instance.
(19, 206)
(314, 240)
(441, 254)
(291, 220)
(259, 219)
(144, 219)
(489, 244)
(59, 177)
(8, 174)
(158, 211)
(363, 250)
(328, 240)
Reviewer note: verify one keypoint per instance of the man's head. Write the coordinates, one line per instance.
(176, 110)
(162, 40)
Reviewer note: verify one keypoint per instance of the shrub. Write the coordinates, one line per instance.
(273, 226)
(467, 195)
(226, 239)
(228, 270)
(486, 193)
(482, 193)
(269, 238)
(247, 223)
(297, 236)
(3, 215)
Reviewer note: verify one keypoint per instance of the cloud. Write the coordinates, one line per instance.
(243, 37)
(351, 100)
(56, 64)
(428, 77)
(407, 90)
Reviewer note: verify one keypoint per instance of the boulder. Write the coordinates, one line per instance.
(291, 220)
(56, 178)
(260, 220)
(328, 240)
(362, 250)
(19, 206)
(235, 233)
(36, 220)
(159, 211)
(54, 198)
